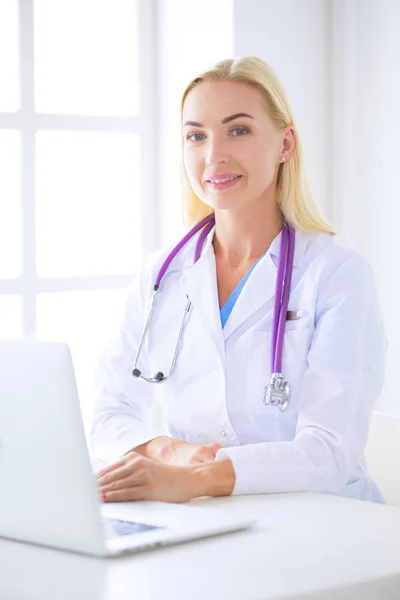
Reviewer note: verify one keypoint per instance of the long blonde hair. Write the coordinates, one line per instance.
(293, 194)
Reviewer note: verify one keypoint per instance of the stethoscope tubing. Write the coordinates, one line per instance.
(278, 389)
(282, 293)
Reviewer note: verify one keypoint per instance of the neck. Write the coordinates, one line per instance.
(242, 239)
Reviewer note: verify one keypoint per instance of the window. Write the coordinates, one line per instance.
(76, 107)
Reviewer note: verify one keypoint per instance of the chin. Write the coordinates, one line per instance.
(225, 202)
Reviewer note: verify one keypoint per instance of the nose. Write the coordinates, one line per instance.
(215, 153)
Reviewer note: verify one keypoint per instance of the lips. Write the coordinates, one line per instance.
(225, 183)
(214, 178)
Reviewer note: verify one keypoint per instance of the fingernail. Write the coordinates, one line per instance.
(104, 496)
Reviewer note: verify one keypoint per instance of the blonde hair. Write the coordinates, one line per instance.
(293, 194)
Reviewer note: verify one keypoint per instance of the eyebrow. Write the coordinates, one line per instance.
(226, 120)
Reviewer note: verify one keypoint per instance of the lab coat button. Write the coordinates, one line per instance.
(222, 433)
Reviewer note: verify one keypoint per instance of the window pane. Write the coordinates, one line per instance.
(86, 321)
(88, 204)
(86, 57)
(9, 56)
(10, 204)
(10, 316)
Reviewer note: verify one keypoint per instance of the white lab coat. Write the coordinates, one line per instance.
(333, 358)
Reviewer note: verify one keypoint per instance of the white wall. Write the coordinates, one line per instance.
(339, 62)
(291, 37)
(376, 132)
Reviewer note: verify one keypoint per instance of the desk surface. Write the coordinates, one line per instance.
(303, 546)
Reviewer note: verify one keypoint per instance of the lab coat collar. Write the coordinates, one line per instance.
(300, 245)
(301, 241)
(200, 283)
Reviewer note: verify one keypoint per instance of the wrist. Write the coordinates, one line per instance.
(214, 479)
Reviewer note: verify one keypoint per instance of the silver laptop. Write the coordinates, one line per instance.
(48, 493)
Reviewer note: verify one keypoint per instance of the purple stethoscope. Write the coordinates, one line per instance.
(278, 391)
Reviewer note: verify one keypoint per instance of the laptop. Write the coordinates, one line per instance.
(49, 494)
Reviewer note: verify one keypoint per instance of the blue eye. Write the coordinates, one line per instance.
(240, 129)
(198, 137)
(190, 136)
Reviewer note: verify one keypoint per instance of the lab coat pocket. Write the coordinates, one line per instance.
(271, 423)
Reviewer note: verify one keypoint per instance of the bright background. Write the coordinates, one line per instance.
(90, 144)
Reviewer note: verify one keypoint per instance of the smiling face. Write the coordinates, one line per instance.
(227, 133)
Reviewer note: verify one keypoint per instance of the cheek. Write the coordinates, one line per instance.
(260, 162)
(192, 163)
(252, 154)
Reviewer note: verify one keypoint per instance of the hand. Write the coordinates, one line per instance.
(136, 477)
(171, 451)
(182, 453)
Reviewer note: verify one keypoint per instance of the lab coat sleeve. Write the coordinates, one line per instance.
(122, 417)
(342, 381)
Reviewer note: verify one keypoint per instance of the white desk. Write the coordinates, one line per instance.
(304, 546)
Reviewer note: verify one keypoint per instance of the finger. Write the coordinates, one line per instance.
(124, 463)
(214, 446)
(115, 475)
(201, 458)
(201, 451)
(126, 495)
(130, 474)
(121, 484)
(110, 468)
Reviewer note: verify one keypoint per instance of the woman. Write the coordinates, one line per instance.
(233, 429)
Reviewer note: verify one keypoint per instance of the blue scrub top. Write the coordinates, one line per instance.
(227, 308)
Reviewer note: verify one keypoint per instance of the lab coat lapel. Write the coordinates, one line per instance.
(200, 284)
(199, 281)
(263, 285)
(253, 297)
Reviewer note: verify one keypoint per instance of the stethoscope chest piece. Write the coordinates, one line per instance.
(277, 392)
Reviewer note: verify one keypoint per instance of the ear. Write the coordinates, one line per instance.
(288, 140)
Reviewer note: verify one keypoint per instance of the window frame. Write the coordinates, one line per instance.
(27, 121)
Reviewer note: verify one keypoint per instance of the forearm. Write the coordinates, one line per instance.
(213, 479)
(311, 462)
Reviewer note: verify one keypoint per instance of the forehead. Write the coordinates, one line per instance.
(209, 102)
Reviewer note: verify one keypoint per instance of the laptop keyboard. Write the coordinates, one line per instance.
(116, 527)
